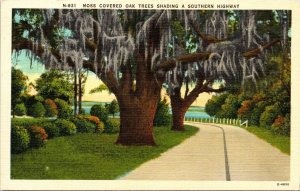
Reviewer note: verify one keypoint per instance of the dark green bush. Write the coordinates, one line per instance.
(20, 109)
(19, 139)
(213, 106)
(112, 126)
(269, 115)
(162, 116)
(38, 136)
(257, 111)
(51, 129)
(84, 126)
(64, 109)
(38, 110)
(100, 112)
(65, 127)
(230, 107)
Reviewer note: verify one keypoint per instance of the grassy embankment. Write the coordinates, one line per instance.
(279, 141)
(90, 156)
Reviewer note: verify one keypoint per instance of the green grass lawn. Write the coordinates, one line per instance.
(90, 156)
(279, 141)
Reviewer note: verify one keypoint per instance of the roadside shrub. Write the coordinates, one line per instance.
(84, 126)
(112, 126)
(38, 136)
(51, 129)
(100, 112)
(257, 111)
(65, 127)
(64, 109)
(230, 107)
(213, 105)
(19, 139)
(38, 110)
(20, 109)
(162, 115)
(269, 115)
(51, 108)
(281, 125)
(245, 111)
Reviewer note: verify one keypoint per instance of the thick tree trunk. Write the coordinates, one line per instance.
(178, 112)
(178, 119)
(137, 122)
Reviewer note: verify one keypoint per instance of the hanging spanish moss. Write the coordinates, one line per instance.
(227, 60)
(114, 45)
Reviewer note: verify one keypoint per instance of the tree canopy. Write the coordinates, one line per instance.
(18, 86)
(55, 84)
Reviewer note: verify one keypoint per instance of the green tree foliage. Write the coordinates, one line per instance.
(20, 109)
(162, 114)
(213, 106)
(64, 109)
(30, 101)
(38, 110)
(257, 111)
(251, 108)
(269, 115)
(18, 86)
(100, 112)
(55, 84)
(113, 107)
(230, 107)
(99, 89)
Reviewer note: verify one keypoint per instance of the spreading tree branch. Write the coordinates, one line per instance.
(25, 44)
(190, 58)
(255, 52)
(207, 39)
(183, 59)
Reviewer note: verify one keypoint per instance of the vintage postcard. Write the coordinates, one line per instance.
(150, 95)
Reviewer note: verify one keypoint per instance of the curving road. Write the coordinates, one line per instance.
(217, 152)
